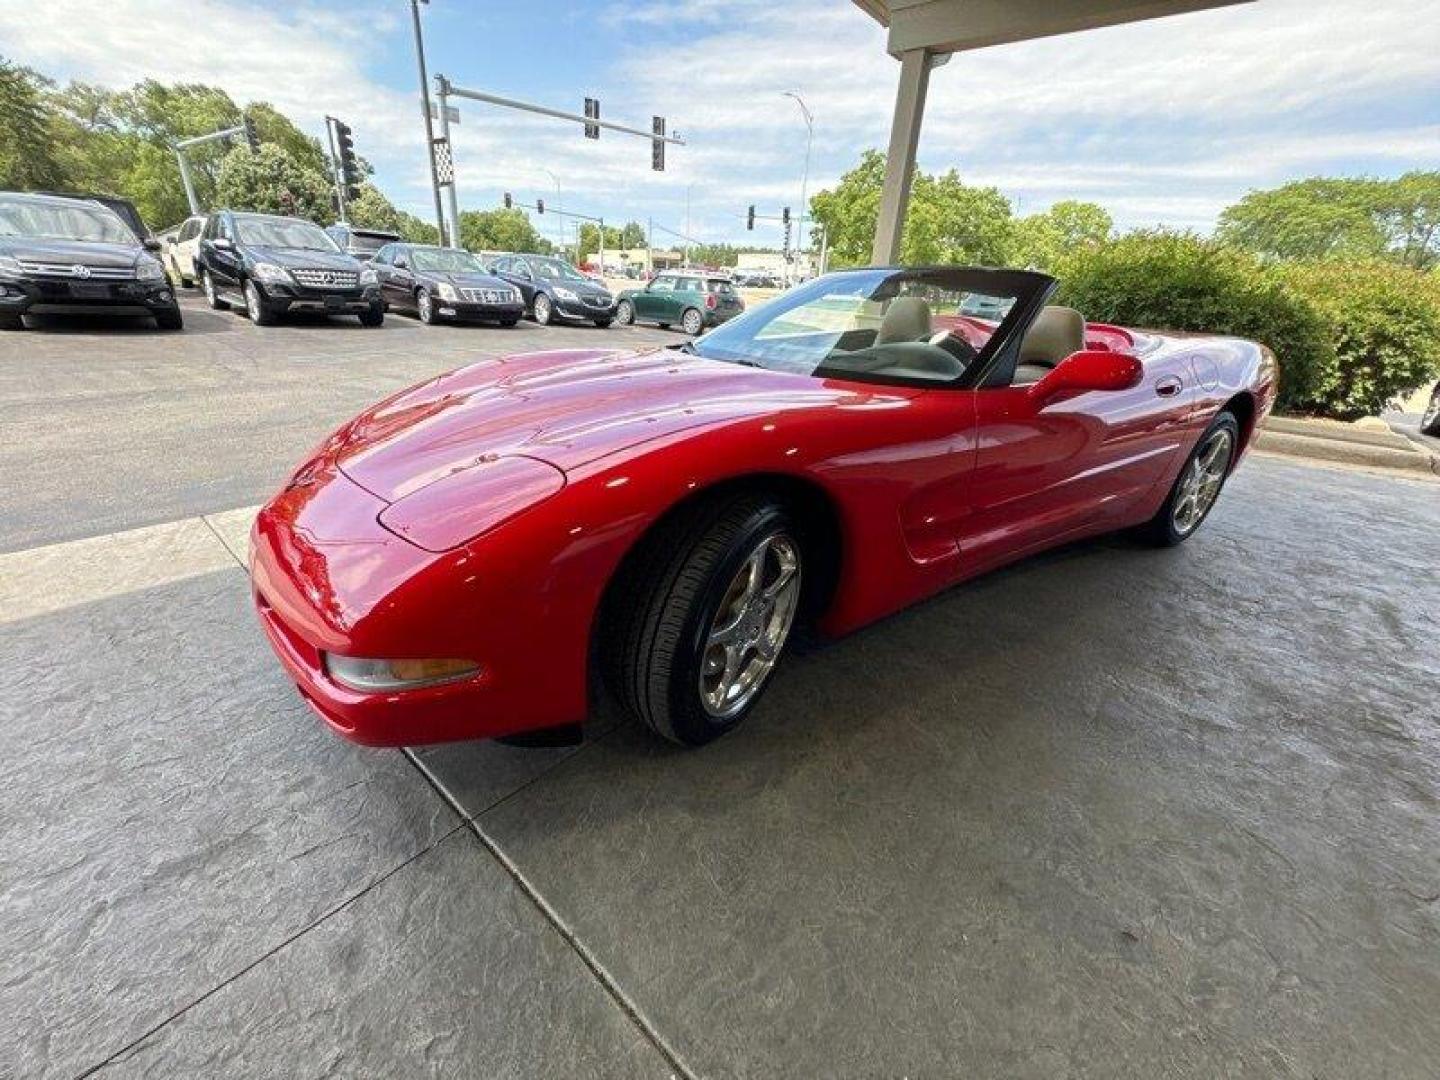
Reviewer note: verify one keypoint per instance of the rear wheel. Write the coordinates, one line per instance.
(211, 296)
(1198, 486)
(699, 620)
(544, 309)
(625, 313)
(1430, 422)
(692, 322)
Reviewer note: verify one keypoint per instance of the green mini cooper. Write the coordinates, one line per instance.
(694, 300)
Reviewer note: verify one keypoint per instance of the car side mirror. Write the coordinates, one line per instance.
(222, 244)
(1086, 370)
(402, 264)
(150, 244)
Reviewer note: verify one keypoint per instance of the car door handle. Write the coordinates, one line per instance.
(1169, 386)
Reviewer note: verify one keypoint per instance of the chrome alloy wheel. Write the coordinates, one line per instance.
(751, 626)
(1201, 483)
(210, 289)
(252, 301)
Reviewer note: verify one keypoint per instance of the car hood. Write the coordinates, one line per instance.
(468, 280)
(70, 251)
(562, 408)
(580, 288)
(302, 257)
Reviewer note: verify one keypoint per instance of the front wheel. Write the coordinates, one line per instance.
(373, 316)
(425, 307)
(11, 320)
(692, 322)
(701, 616)
(1198, 486)
(625, 313)
(544, 309)
(169, 320)
(1430, 422)
(261, 313)
(212, 297)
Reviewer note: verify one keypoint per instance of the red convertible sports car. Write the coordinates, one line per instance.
(467, 558)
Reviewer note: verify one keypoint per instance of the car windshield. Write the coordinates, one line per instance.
(880, 325)
(447, 261)
(720, 285)
(556, 270)
(282, 233)
(43, 219)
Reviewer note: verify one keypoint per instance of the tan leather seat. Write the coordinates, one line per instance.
(1055, 334)
(906, 319)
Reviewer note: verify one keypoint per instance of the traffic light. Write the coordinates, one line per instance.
(252, 136)
(657, 145)
(592, 112)
(785, 216)
(539, 206)
(509, 202)
(349, 169)
(750, 218)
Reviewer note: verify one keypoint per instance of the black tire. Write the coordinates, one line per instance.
(1430, 422)
(425, 307)
(603, 324)
(260, 312)
(11, 320)
(373, 316)
(211, 296)
(169, 320)
(544, 309)
(660, 613)
(510, 320)
(1162, 530)
(692, 321)
(625, 313)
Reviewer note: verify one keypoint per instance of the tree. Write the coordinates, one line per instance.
(587, 240)
(1318, 218)
(1041, 240)
(500, 230)
(633, 236)
(1409, 216)
(948, 221)
(27, 158)
(272, 182)
(373, 211)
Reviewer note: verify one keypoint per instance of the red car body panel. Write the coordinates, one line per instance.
(482, 514)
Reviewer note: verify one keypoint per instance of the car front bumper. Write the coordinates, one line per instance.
(43, 296)
(464, 309)
(584, 309)
(327, 577)
(299, 298)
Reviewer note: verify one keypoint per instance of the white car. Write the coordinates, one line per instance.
(181, 249)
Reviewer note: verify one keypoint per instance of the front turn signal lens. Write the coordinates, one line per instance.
(380, 675)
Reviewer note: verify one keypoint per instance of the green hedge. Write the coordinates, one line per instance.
(1174, 281)
(1386, 322)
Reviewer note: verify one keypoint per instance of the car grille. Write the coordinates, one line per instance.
(487, 296)
(598, 301)
(326, 279)
(79, 271)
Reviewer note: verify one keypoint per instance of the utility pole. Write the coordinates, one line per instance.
(442, 85)
(425, 112)
(335, 169)
(804, 176)
(245, 127)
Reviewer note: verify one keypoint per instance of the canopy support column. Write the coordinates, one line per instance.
(900, 161)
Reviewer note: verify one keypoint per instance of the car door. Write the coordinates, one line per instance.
(400, 287)
(1047, 472)
(383, 265)
(520, 275)
(654, 301)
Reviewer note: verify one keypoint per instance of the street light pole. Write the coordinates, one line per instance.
(805, 176)
(559, 206)
(425, 111)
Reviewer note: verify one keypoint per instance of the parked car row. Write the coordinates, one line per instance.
(65, 254)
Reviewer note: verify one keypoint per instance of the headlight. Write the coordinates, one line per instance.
(379, 675)
(367, 277)
(10, 266)
(149, 270)
(277, 275)
(447, 291)
(515, 295)
(565, 294)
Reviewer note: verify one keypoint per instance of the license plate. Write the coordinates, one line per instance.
(90, 292)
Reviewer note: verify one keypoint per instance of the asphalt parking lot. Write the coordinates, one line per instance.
(1109, 812)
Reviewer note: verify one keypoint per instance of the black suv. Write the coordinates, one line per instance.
(444, 283)
(270, 265)
(553, 288)
(362, 243)
(68, 256)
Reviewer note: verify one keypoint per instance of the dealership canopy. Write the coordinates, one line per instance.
(925, 32)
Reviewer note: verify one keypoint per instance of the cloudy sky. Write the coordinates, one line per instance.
(1161, 122)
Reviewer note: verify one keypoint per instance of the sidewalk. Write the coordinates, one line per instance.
(1337, 442)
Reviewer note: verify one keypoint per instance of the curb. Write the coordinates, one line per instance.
(1366, 449)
